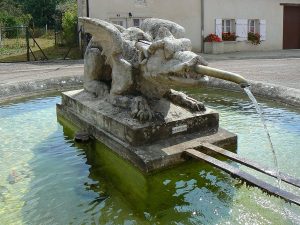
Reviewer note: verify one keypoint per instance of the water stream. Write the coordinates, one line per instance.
(259, 111)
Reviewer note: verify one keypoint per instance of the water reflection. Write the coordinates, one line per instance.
(68, 183)
(190, 192)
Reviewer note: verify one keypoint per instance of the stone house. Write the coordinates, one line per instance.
(276, 21)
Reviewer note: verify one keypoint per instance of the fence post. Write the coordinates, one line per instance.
(27, 43)
(0, 36)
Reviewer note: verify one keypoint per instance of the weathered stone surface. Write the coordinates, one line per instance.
(82, 136)
(183, 100)
(127, 102)
(141, 61)
(38, 87)
(274, 92)
(152, 26)
(173, 119)
(155, 156)
(151, 145)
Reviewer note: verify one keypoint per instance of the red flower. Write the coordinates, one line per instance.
(254, 38)
(228, 36)
(212, 38)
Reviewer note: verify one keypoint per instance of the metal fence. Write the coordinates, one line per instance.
(13, 41)
(25, 44)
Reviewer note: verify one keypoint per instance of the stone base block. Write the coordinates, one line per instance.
(149, 146)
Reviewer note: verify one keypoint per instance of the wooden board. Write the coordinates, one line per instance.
(254, 165)
(236, 172)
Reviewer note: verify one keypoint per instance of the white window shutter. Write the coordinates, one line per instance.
(262, 30)
(219, 27)
(241, 29)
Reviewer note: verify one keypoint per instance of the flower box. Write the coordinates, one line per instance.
(213, 47)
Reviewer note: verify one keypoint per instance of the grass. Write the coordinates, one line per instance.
(14, 50)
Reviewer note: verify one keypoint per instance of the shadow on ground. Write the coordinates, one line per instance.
(53, 52)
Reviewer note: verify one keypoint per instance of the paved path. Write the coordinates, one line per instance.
(285, 72)
(19, 72)
(275, 54)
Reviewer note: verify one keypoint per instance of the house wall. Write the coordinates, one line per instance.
(269, 10)
(186, 13)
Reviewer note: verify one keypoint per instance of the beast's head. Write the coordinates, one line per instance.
(169, 60)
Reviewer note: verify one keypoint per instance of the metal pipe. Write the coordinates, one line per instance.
(87, 8)
(202, 25)
(221, 74)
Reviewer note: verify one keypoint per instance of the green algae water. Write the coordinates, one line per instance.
(46, 178)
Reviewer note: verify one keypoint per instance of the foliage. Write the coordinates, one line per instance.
(212, 38)
(69, 22)
(7, 20)
(228, 36)
(254, 38)
(10, 7)
(20, 12)
(41, 11)
(11, 14)
(37, 12)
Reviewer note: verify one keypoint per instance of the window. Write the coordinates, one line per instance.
(253, 26)
(118, 22)
(137, 22)
(140, 2)
(227, 26)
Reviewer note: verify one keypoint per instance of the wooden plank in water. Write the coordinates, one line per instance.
(236, 172)
(254, 165)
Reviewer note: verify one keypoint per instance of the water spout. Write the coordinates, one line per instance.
(259, 111)
(238, 79)
(221, 74)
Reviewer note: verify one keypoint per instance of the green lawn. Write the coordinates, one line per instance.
(14, 50)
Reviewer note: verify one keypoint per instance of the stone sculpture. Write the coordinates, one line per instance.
(135, 65)
(135, 69)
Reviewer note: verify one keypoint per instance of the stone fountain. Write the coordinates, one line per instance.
(127, 101)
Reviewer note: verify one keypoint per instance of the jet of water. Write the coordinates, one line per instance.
(259, 111)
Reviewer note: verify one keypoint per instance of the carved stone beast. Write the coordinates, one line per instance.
(132, 66)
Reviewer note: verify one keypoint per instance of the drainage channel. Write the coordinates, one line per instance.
(236, 172)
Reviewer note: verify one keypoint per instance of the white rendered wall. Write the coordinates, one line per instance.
(186, 13)
(269, 10)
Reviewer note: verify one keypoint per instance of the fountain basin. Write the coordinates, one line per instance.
(63, 182)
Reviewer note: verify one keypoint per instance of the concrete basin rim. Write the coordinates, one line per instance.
(13, 91)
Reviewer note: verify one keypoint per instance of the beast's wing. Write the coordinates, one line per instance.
(104, 33)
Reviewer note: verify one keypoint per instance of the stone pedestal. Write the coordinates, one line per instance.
(150, 145)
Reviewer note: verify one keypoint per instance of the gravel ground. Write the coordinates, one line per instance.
(11, 73)
(285, 72)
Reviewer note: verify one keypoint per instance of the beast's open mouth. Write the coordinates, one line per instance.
(187, 75)
(184, 78)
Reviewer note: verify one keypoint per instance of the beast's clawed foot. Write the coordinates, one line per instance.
(141, 110)
(181, 99)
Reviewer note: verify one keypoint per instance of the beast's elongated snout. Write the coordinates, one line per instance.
(221, 74)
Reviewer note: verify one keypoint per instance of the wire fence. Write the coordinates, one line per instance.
(22, 43)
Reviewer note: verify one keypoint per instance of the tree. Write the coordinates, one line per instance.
(11, 14)
(42, 11)
(68, 11)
